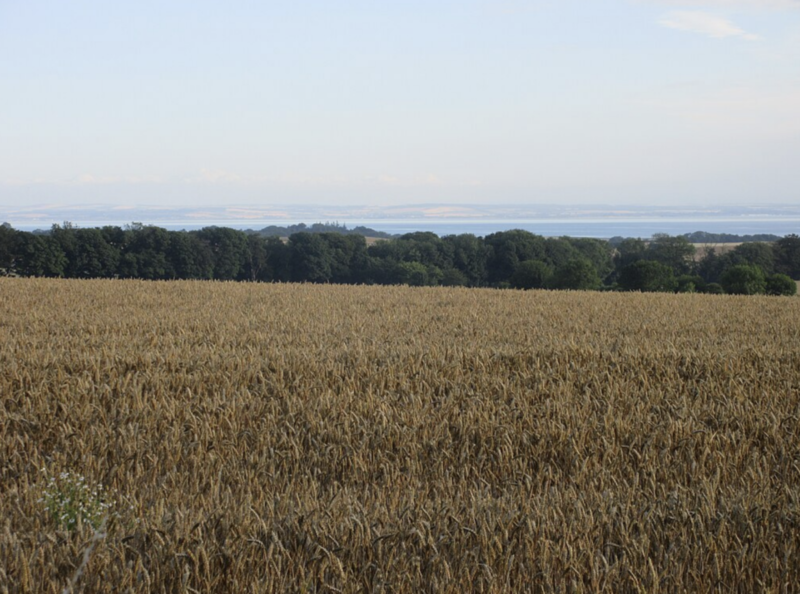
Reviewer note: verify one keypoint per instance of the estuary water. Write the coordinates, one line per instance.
(598, 228)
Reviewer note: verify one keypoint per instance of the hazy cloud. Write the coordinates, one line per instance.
(515, 6)
(733, 4)
(704, 23)
(214, 176)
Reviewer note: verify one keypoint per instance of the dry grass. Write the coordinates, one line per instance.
(702, 249)
(290, 438)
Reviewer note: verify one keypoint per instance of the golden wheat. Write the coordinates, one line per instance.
(290, 438)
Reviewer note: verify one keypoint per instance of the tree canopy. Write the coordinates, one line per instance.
(515, 258)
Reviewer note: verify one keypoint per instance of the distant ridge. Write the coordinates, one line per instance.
(278, 231)
(705, 237)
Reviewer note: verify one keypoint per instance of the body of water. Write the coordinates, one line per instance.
(599, 228)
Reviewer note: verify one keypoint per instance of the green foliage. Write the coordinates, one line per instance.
(469, 256)
(688, 283)
(93, 257)
(675, 252)
(629, 251)
(508, 249)
(189, 257)
(706, 237)
(576, 275)
(348, 255)
(558, 251)
(744, 279)
(452, 277)
(266, 259)
(39, 255)
(781, 284)
(8, 240)
(146, 253)
(71, 502)
(413, 273)
(228, 249)
(754, 253)
(311, 258)
(714, 289)
(787, 256)
(647, 276)
(532, 274)
(711, 266)
(509, 258)
(426, 248)
(598, 252)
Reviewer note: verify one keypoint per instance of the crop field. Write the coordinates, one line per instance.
(219, 437)
(702, 249)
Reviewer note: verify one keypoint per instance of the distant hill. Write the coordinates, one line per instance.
(705, 237)
(278, 231)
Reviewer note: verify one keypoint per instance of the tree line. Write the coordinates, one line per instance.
(506, 259)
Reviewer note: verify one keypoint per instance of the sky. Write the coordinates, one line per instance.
(191, 103)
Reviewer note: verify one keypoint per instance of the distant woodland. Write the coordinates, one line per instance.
(508, 259)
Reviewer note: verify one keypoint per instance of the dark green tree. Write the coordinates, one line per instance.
(469, 255)
(145, 253)
(532, 274)
(39, 255)
(787, 256)
(92, 256)
(598, 252)
(712, 265)
(780, 284)
(576, 275)
(114, 237)
(311, 258)
(744, 279)
(64, 236)
(558, 251)
(508, 249)
(188, 257)
(381, 270)
(8, 246)
(427, 248)
(675, 252)
(756, 253)
(348, 256)
(415, 274)
(628, 251)
(229, 251)
(279, 259)
(453, 277)
(647, 276)
(688, 283)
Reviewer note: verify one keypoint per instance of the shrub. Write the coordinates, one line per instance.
(688, 283)
(781, 284)
(71, 502)
(452, 277)
(647, 276)
(576, 275)
(744, 279)
(531, 274)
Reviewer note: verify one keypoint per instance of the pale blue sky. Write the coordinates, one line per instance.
(475, 101)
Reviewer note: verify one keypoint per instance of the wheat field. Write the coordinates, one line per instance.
(306, 438)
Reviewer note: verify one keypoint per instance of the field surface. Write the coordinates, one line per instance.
(702, 249)
(300, 438)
